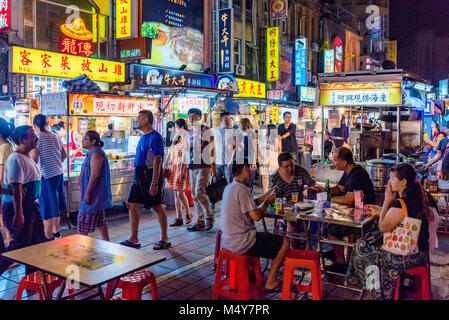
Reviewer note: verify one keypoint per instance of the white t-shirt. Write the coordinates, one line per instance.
(228, 139)
(239, 230)
(20, 168)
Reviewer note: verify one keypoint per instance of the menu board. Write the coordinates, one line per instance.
(179, 25)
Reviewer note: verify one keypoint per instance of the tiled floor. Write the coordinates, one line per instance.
(187, 273)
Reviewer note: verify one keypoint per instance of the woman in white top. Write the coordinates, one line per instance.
(6, 149)
(50, 155)
(246, 147)
(268, 154)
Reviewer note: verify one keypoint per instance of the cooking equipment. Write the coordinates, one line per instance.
(378, 170)
(443, 186)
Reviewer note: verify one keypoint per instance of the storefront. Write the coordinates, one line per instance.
(85, 112)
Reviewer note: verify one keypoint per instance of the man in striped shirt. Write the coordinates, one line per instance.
(290, 179)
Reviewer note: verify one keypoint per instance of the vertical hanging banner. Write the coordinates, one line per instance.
(273, 56)
(5, 15)
(338, 47)
(301, 61)
(392, 51)
(226, 40)
(126, 19)
(329, 61)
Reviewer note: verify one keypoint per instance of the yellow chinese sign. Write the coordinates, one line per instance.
(123, 19)
(44, 63)
(250, 89)
(273, 56)
(392, 51)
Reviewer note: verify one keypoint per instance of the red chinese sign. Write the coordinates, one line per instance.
(5, 15)
(76, 47)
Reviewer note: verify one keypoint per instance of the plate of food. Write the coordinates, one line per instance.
(304, 206)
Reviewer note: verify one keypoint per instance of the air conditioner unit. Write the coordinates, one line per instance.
(315, 47)
(239, 70)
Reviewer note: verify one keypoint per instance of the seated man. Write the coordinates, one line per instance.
(291, 179)
(238, 213)
(354, 178)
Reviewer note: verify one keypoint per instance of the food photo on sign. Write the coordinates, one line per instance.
(177, 33)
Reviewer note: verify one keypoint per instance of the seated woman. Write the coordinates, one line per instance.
(370, 264)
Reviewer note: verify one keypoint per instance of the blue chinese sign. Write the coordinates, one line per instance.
(155, 76)
(300, 61)
(225, 41)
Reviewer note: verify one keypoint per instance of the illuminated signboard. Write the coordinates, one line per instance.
(329, 61)
(307, 94)
(276, 95)
(429, 108)
(443, 89)
(37, 62)
(358, 94)
(250, 89)
(300, 61)
(5, 15)
(125, 24)
(183, 104)
(338, 47)
(172, 78)
(133, 53)
(77, 40)
(278, 9)
(76, 47)
(431, 96)
(392, 51)
(179, 26)
(226, 40)
(273, 55)
(90, 104)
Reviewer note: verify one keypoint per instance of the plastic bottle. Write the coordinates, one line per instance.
(328, 191)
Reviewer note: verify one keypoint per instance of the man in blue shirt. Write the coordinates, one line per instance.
(441, 145)
(148, 181)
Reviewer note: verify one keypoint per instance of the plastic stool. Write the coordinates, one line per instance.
(34, 282)
(423, 289)
(132, 285)
(238, 268)
(188, 194)
(305, 259)
(217, 249)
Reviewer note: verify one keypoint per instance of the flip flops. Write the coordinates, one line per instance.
(130, 244)
(160, 245)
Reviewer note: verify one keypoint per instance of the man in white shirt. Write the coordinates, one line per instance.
(224, 146)
(238, 213)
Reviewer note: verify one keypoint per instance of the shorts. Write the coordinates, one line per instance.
(52, 200)
(267, 245)
(140, 188)
(87, 221)
(342, 231)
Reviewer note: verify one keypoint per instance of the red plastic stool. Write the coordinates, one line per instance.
(423, 290)
(217, 249)
(305, 259)
(34, 282)
(132, 285)
(238, 268)
(188, 194)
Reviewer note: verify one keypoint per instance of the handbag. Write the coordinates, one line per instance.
(215, 190)
(403, 240)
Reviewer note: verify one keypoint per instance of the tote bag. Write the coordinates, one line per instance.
(403, 240)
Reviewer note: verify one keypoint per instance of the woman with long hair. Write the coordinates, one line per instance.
(95, 187)
(6, 148)
(178, 177)
(50, 155)
(370, 264)
(268, 154)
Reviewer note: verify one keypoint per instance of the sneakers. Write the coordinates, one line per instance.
(209, 223)
(196, 227)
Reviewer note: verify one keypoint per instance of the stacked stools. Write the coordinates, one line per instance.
(423, 285)
(302, 259)
(132, 285)
(34, 282)
(236, 283)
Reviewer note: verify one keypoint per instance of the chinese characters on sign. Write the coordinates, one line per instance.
(250, 89)
(30, 61)
(273, 56)
(392, 51)
(300, 61)
(125, 19)
(278, 9)
(226, 40)
(275, 94)
(338, 46)
(371, 97)
(76, 47)
(329, 61)
(5, 15)
(307, 94)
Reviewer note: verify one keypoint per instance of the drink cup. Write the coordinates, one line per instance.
(278, 205)
(295, 197)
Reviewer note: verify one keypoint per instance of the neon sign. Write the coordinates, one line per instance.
(5, 15)
(76, 47)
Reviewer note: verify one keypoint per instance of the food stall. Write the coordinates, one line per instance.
(83, 112)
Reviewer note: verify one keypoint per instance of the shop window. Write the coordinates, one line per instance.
(237, 51)
(249, 11)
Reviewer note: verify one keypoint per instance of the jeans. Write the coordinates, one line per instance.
(224, 171)
(199, 179)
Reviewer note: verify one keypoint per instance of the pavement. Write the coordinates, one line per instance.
(187, 272)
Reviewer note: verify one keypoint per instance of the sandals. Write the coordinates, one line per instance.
(177, 223)
(130, 244)
(189, 218)
(161, 245)
(276, 289)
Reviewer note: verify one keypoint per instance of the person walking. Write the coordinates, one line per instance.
(287, 135)
(247, 147)
(201, 163)
(340, 135)
(6, 149)
(95, 186)
(224, 138)
(50, 155)
(22, 180)
(148, 184)
(268, 154)
(178, 178)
